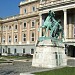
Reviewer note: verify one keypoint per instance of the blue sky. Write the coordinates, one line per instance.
(9, 8)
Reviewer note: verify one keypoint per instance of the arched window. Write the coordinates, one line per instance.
(24, 26)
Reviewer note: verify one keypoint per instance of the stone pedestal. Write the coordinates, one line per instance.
(49, 55)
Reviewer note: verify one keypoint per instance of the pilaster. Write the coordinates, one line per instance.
(6, 34)
(12, 34)
(20, 33)
(40, 32)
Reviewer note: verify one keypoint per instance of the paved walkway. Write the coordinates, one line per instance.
(24, 68)
(19, 67)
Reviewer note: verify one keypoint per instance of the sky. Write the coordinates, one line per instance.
(9, 8)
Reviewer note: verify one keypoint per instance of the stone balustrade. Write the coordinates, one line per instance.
(55, 2)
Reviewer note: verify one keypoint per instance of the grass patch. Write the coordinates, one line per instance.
(61, 71)
(15, 57)
(2, 60)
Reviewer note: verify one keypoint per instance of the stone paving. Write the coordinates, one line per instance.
(18, 67)
(25, 67)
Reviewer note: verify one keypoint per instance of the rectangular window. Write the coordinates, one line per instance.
(4, 28)
(3, 39)
(15, 51)
(32, 51)
(24, 37)
(32, 36)
(23, 50)
(9, 38)
(8, 50)
(3, 50)
(9, 28)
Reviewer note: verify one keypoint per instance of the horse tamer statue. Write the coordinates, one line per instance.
(52, 25)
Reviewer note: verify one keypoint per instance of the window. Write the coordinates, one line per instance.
(9, 38)
(4, 28)
(15, 51)
(15, 26)
(33, 8)
(24, 25)
(15, 38)
(32, 36)
(3, 39)
(9, 27)
(33, 23)
(3, 50)
(8, 50)
(32, 51)
(25, 11)
(23, 50)
(24, 37)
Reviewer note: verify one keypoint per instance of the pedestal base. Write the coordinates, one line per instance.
(49, 55)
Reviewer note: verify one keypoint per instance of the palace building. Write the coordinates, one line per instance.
(19, 34)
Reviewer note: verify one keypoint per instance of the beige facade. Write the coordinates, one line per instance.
(22, 30)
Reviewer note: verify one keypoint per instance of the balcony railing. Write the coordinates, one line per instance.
(25, 2)
(20, 16)
(54, 2)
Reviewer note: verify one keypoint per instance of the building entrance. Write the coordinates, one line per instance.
(71, 51)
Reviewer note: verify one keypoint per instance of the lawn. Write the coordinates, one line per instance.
(62, 71)
(1, 60)
(16, 57)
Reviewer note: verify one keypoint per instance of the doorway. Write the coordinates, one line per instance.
(71, 51)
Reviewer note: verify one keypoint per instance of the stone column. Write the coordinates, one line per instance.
(40, 32)
(70, 27)
(65, 24)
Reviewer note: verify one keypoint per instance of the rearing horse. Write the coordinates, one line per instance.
(48, 23)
